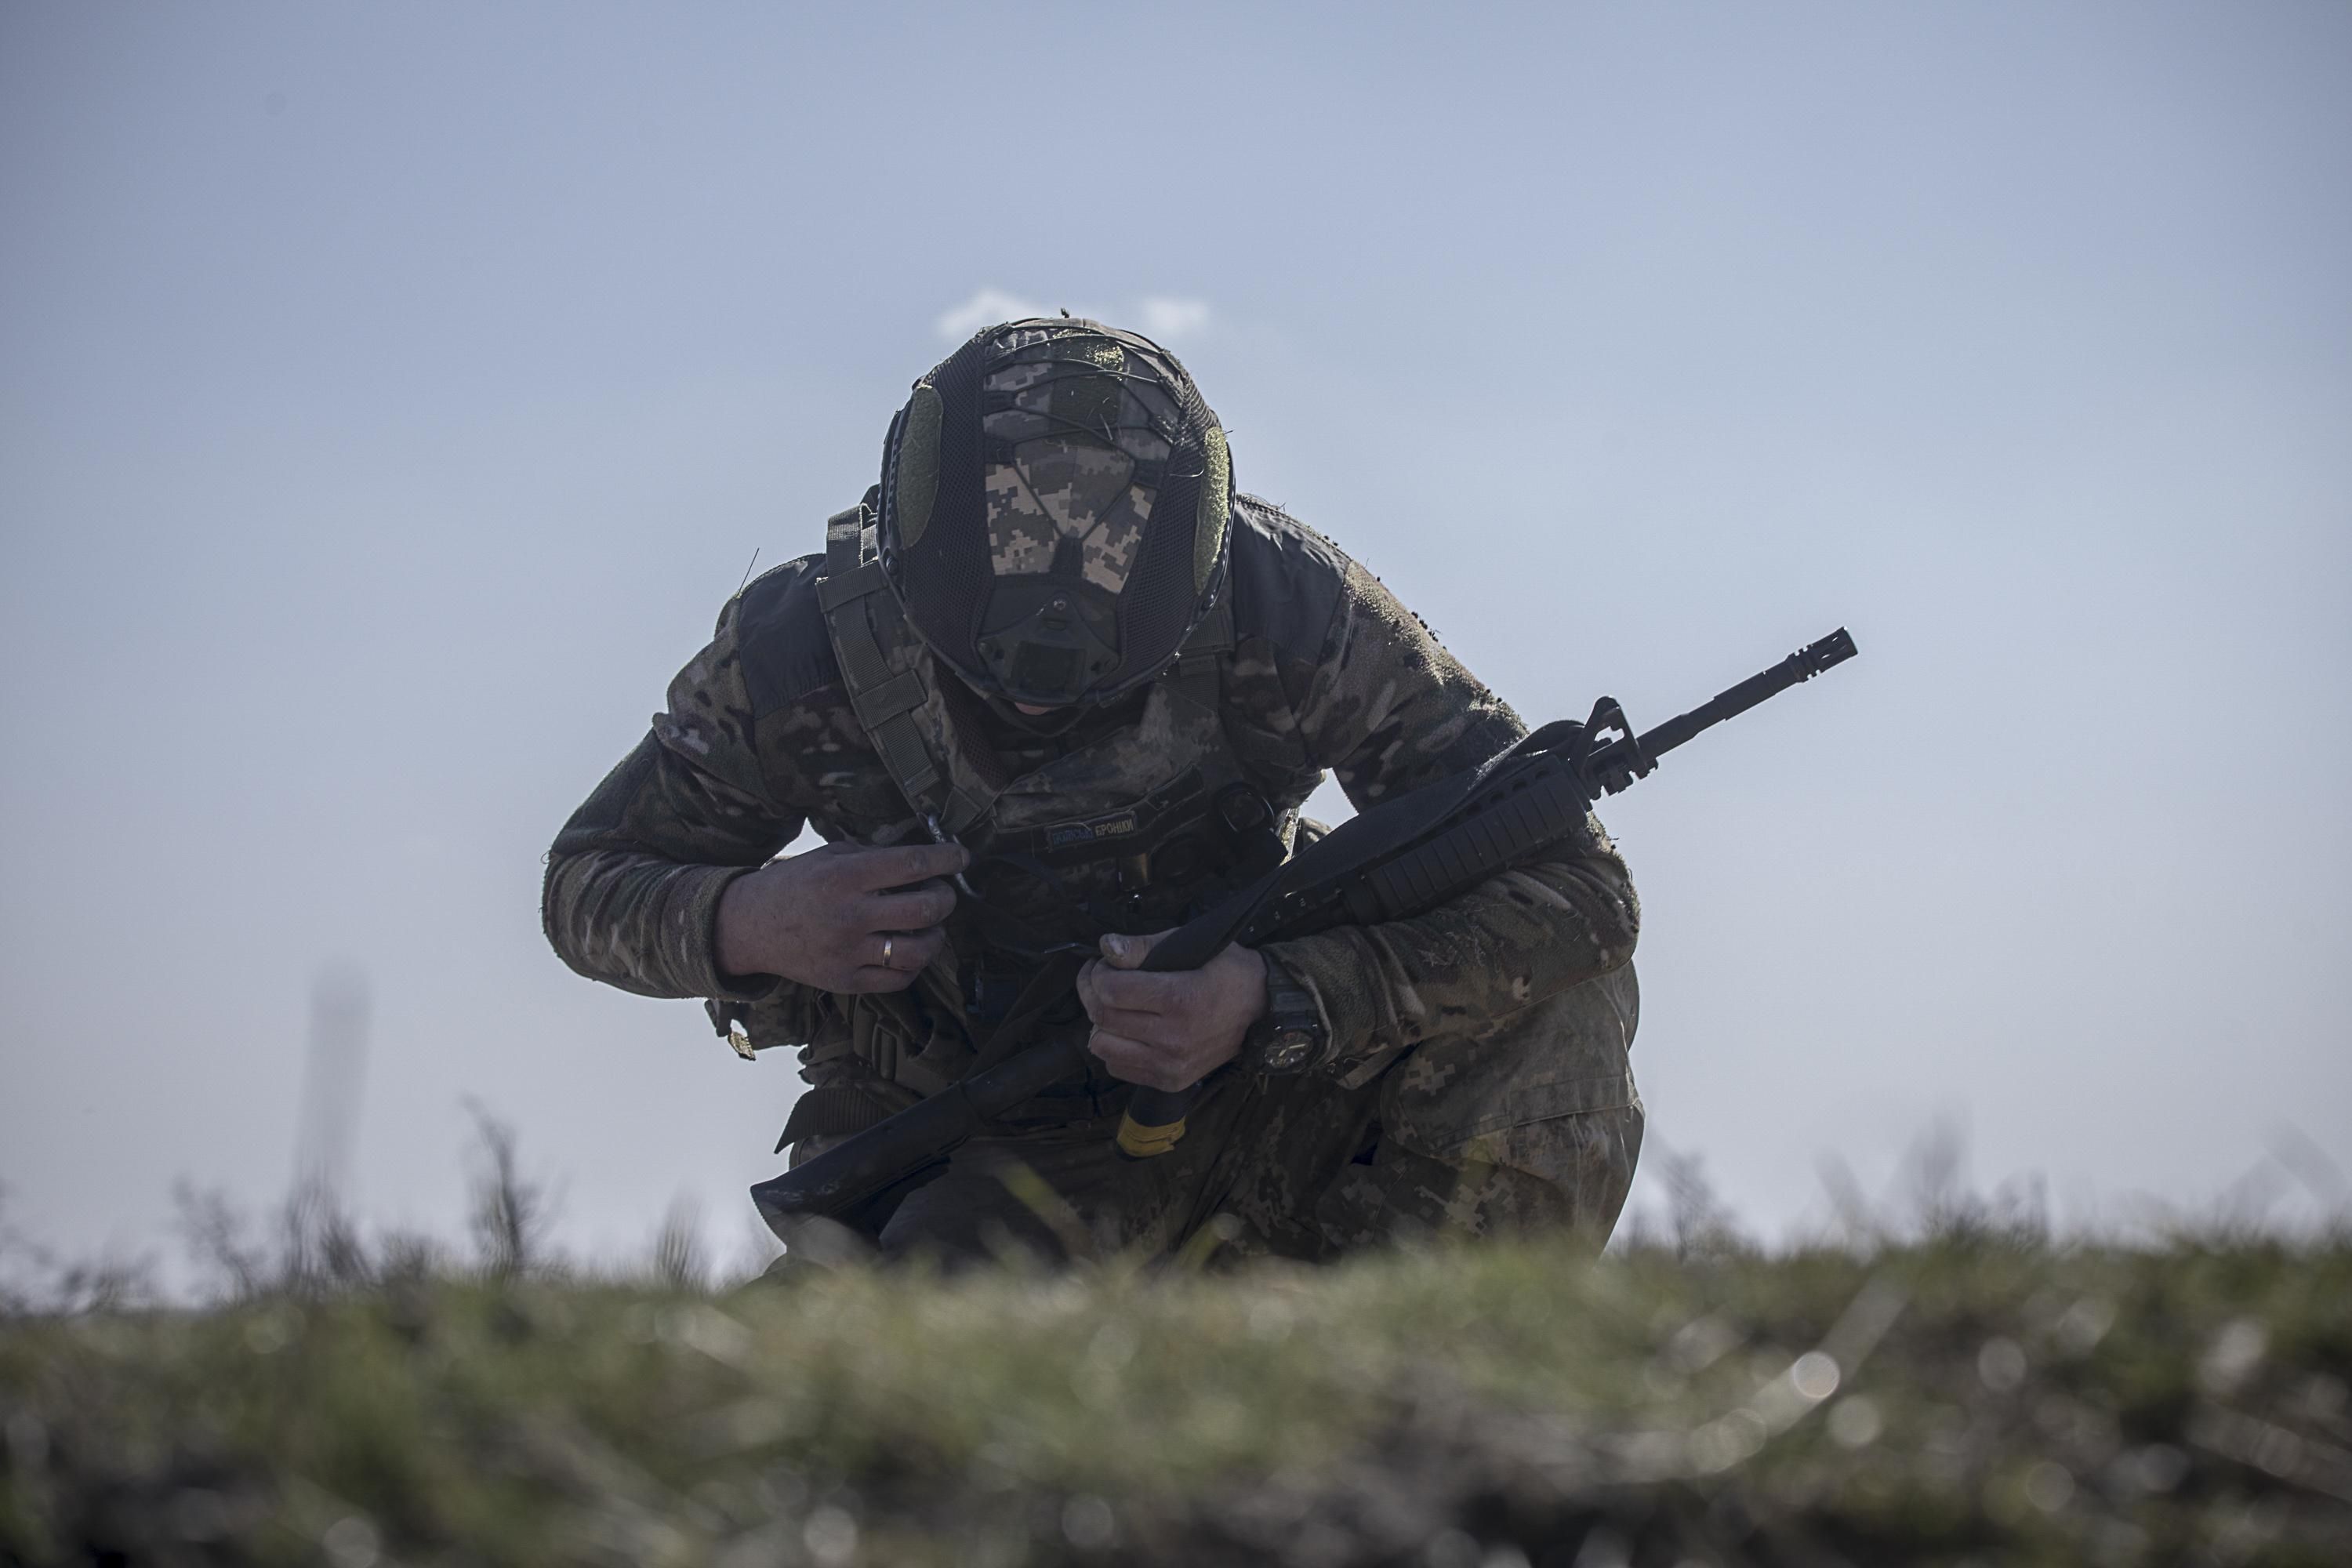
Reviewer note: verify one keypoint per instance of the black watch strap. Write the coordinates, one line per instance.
(1290, 1037)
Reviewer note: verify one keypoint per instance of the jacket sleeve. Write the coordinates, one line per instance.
(633, 880)
(1387, 709)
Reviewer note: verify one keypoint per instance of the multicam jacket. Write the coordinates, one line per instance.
(1327, 671)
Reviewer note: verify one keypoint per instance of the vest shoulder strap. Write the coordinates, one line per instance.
(851, 594)
(1199, 671)
(844, 540)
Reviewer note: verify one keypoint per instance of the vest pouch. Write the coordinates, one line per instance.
(883, 1037)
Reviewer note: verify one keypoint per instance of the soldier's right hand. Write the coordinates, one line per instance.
(845, 918)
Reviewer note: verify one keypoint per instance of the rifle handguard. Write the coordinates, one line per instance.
(1527, 814)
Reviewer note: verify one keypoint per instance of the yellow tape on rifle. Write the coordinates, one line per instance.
(1140, 1143)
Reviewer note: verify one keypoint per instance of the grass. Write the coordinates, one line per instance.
(1958, 1390)
(1981, 1397)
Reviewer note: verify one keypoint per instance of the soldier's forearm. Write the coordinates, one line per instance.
(1516, 939)
(641, 922)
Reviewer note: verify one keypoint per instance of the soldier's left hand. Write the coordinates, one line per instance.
(1170, 1031)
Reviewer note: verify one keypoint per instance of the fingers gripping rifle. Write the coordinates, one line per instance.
(1401, 857)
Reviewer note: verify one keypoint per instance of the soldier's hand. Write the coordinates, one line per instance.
(1170, 1031)
(845, 918)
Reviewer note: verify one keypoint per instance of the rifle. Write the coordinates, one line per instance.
(1399, 859)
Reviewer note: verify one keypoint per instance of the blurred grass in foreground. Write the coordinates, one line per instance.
(1973, 1394)
(1979, 1400)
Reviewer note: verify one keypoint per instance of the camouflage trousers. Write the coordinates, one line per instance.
(1530, 1124)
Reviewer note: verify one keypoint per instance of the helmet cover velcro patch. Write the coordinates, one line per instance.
(918, 464)
(1216, 499)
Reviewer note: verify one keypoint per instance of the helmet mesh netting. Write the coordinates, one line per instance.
(1072, 459)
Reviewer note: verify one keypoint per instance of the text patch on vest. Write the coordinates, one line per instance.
(1117, 825)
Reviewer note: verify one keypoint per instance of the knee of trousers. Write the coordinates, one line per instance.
(1548, 1090)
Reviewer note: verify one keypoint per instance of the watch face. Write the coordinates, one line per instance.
(1289, 1049)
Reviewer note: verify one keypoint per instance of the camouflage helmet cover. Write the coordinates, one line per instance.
(1054, 503)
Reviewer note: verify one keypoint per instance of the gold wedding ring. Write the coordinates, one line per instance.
(889, 942)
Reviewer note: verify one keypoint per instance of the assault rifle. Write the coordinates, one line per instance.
(1401, 857)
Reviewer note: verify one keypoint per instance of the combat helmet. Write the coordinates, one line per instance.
(1056, 502)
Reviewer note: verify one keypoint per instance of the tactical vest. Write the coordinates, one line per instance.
(1134, 831)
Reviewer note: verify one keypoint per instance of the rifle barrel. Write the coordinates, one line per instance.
(1800, 666)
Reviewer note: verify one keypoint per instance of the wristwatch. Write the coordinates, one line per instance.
(1290, 1036)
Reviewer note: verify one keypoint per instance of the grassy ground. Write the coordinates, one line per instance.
(1971, 1400)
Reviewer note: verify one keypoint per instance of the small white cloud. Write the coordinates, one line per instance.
(1163, 318)
(1155, 316)
(985, 309)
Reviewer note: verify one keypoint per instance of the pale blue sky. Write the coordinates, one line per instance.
(390, 396)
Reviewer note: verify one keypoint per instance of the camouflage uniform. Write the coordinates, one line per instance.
(1476, 1076)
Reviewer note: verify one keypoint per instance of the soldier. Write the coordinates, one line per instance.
(1054, 639)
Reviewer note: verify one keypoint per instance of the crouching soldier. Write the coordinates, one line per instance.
(1051, 689)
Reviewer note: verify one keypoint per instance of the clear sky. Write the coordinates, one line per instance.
(390, 396)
